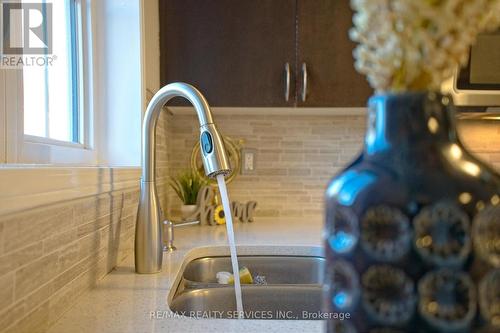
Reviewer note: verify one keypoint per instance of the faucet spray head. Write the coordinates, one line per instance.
(213, 153)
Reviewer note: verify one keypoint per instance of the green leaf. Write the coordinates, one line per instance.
(187, 184)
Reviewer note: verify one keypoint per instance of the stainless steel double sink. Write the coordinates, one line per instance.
(292, 289)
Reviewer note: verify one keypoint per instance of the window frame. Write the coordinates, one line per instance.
(3, 117)
(27, 149)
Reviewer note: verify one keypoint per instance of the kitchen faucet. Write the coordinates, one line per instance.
(148, 231)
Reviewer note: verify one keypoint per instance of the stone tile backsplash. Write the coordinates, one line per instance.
(298, 155)
(50, 255)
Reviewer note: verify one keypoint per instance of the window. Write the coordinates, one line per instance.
(85, 108)
(48, 109)
(51, 108)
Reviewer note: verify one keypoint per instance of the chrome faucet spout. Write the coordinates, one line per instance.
(148, 242)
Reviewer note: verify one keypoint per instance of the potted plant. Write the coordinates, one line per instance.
(187, 184)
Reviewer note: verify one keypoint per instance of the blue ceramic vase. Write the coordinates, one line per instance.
(412, 233)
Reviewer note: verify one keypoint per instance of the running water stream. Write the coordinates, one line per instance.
(232, 245)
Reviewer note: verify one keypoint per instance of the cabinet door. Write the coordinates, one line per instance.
(324, 46)
(233, 51)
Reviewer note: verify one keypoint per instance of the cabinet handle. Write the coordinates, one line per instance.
(304, 82)
(287, 81)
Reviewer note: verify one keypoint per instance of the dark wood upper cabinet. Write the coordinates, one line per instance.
(235, 51)
(326, 50)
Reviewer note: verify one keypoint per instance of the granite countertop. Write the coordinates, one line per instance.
(127, 302)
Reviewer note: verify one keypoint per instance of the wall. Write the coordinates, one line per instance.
(297, 156)
(151, 43)
(51, 255)
(118, 80)
(483, 138)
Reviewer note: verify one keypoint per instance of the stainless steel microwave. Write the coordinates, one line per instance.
(478, 84)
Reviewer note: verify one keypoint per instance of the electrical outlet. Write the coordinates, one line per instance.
(248, 161)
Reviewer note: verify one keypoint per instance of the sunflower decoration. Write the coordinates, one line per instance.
(219, 216)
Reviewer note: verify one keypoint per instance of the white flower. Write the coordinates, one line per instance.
(407, 45)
